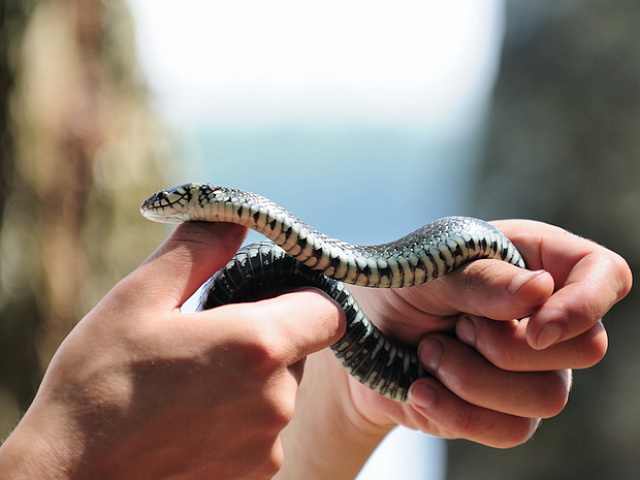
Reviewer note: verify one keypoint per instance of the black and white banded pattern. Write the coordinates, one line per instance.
(315, 259)
(374, 360)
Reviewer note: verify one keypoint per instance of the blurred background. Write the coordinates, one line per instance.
(367, 119)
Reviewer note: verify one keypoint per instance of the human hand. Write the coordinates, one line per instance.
(494, 377)
(141, 390)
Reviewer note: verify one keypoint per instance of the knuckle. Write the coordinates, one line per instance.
(586, 311)
(475, 275)
(507, 359)
(503, 431)
(554, 398)
(521, 430)
(273, 463)
(279, 413)
(502, 360)
(263, 349)
(263, 463)
(591, 347)
(464, 423)
(623, 275)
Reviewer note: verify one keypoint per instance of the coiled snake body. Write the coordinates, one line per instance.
(315, 259)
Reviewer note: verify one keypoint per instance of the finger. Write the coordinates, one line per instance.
(277, 331)
(186, 259)
(476, 380)
(453, 417)
(595, 284)
(487, 288)
(505, 345)
(302, 323)
(589, 279)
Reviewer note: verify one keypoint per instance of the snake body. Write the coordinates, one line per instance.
(307, 257)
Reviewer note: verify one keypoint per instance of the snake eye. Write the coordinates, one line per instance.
(164, 198)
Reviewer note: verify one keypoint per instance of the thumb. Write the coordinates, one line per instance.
(286, 328)
(188, 257)
(306, 321)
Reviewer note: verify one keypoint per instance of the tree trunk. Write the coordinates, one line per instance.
(80, 151)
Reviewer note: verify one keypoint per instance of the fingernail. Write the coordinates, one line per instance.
(430, 353)
(423, 396)
(549, 335)
(523, 278)
(466, 331)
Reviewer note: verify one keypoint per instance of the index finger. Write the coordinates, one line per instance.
(186, 259)
(589, 279)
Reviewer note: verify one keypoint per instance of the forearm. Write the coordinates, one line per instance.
(327, 439)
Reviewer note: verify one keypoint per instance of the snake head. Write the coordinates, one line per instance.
(170, 206)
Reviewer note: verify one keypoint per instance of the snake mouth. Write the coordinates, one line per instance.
(163, 217)
(168, 206)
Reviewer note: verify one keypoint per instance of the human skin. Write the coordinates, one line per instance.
(494, 377)
(141, 390)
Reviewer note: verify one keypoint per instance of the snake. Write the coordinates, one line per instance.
(298, 255)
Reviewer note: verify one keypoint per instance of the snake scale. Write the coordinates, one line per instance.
(303, 256)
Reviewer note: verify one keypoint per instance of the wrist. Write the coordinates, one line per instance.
(38, 450)
(326, 425)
